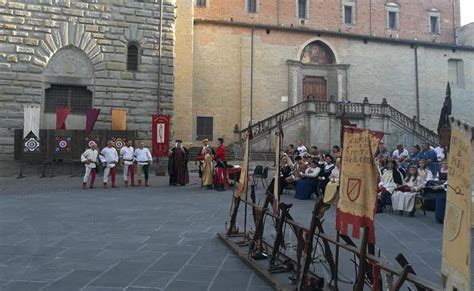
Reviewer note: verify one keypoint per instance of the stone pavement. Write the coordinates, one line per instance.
(56, 236)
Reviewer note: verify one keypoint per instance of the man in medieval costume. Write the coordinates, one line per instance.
(109, 158)
(89, 158)
(144, 161)
(220, 178)
(178, 165)
(126, 156)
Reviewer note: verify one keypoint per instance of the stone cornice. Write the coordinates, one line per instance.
(361, 37)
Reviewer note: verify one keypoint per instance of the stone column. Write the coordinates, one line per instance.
(294, 72)
(367, 113)
(334, 126)
(385, 116)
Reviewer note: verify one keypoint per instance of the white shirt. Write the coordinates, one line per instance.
(397, 155)
(312, 172)
(126, 153)
(143, 156)
(387, 182)
(425, 175)
(301, 150)
(91, 156)
(439, 153)
(109, 156)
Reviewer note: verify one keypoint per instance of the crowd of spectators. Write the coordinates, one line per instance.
(404, 175)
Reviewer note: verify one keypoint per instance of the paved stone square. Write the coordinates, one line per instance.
(56, 236)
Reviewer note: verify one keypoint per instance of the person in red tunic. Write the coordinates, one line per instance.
(220, 178)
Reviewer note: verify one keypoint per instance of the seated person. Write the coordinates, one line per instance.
(308, 183)
(435, 186)
(298, 168)
(331, 193)
(435, 190)
(442, 174)
(423, 171)
(383, 153)
(336, 152)
(403, 198)
(390, 179)
(314, 152)
(414, 155)
(326, 169)
(285, 171)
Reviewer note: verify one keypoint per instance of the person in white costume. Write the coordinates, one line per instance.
(127, 158)
(403, 198)
(109, 158)
(89, 158)
(144, 160)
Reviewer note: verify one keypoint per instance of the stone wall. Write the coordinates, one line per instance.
(375, 69)
(465, 35)
(92, 33)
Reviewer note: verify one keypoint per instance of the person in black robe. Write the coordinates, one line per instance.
(178, 165)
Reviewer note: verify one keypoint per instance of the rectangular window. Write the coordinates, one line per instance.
(302, 7)
(392, 20)
(348, 14)
(201, 3)
(434, 24)
(204, 128)
(252, 6)
(456, 72)
(78, 98)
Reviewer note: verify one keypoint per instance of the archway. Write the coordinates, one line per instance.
(316, 75)
(68, 80)
(317, 52)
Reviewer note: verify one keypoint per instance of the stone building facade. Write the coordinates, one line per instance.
(255, 58)
(84, 48)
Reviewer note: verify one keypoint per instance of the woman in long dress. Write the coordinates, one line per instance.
(208, 170)
(403, 198)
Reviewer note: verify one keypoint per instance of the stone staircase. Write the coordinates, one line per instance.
(318, 123)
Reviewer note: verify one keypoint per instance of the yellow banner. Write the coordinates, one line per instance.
(457, 232)
(119, 119)
(358, 193)
(244, 179)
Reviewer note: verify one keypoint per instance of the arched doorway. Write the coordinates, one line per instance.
(68, 81)
(316, 74)
(315, 87)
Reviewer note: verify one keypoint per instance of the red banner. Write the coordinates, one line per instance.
(91, 117)
(61, 115)
(160, 135)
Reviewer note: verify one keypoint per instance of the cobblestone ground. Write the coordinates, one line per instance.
(56, 236)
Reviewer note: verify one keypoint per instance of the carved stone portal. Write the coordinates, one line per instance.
(70, 61)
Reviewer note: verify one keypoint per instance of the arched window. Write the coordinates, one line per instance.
(317, 52)
(132, 57)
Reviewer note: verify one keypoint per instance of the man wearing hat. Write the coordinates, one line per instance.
(178, 165)
(89, 158)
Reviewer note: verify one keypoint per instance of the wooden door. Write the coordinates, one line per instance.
(314, 88)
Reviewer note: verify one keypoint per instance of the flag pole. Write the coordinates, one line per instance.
(276, 184)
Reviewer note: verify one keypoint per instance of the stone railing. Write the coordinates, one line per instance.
(411, 123)
(350, 110)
